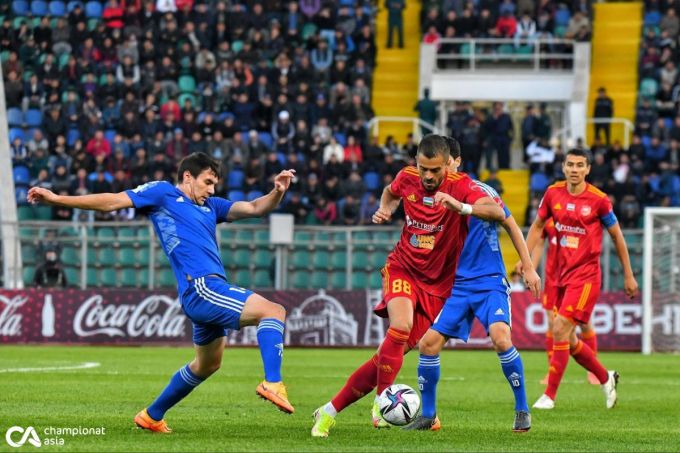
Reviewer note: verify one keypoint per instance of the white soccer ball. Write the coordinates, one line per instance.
(399, 404)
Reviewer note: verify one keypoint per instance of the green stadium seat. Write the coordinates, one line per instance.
(244, 237)
(108, 277)
(92, 24)
(375, 280)
(339, 260)
(186, 84)
(338, 280)
(262, 279)
(92, 280)
(226, 256)
(127, 233)
(263, 258)
(43, 212)
(359, 280)
(300, 280)
(378, 259)
(142, 257)
(301, 259)
(25, 213)
(107, 257)
(262, 237)
(72, 275)
(127, 256)
(242, 258)
(649, 87)
(302, 238)
(28, 253)
(92, 257)
(382, 238)
(68, 232)
(166, 278)
(311, 219)
(242, 278)
(186, 96)
(319, 280)
(227, 236)
(308, 31)
(128, 278)
(142, 278)
(70, 256)
(322, 259)
(29, 275)
(360, 260)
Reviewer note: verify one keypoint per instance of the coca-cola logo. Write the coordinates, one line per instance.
(10, 320)
(156, 316)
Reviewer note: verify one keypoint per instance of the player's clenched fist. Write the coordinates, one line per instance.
(447, 201)
(40, 195)
(382, 215)
(283, 179)
(532, 282)
(630, 286)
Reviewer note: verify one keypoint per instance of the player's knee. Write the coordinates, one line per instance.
(404, 325)
(562, 327)
(428, 347)
(206, 368)
(273, 310)
(502, 344)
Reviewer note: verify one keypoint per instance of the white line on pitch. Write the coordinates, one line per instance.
(81, 366)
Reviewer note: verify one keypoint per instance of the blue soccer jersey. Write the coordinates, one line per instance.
(186, 230)
(481, 255)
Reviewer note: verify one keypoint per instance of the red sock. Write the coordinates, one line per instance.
(361, 382)
(586, 358)
(390, 357)
(590, 339)
(549, 345)
(558, 363)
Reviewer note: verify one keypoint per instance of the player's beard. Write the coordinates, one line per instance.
(435, 185)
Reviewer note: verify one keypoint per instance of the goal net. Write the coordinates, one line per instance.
(661, 281)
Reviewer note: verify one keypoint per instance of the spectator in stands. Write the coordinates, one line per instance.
(506, 26)
(50, 274)
(395, 21)
(603, 112)
(526, 30)
(493, 181)
(501, 128)
(325, 212)
(297, 208)
(427, 110)
(577, 22)
(645, 117)
(432, 37)
(670, 23)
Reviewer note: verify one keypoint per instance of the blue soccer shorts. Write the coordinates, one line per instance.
(489, 304)
(214, 307)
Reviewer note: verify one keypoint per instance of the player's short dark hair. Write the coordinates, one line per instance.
(196, 163)
(433, 145)
(581, 153)
(454, 146)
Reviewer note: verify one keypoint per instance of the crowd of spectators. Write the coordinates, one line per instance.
(113, 94)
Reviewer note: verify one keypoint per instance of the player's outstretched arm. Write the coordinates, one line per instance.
(389, 203)
(630, 285)
(485, 208)
(265, 204)
(96, 202)
(531, 278)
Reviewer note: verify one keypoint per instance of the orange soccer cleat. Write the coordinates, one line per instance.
(144, 421)
(276, 393)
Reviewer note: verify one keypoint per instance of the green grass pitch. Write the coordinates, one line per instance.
(223, 414)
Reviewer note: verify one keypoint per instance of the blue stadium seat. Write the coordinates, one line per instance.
(652, 18)
(110, 134)
(33, 118)
(341, 138)
(20, 8)
(39, 8)
(16, 132)
(21, 175)
(57, 8)
(235, 179)
(253, 194)
(236, 195)
(20, 194)
(93, 10)
(15, 117)
(562, 16)
(72, 136)
(372, 180)
(70, 6)
(538, 182)
(266, 139)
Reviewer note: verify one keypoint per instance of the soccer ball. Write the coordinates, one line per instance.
(399, 404)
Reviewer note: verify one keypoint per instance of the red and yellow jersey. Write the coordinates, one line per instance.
(433, 236)
(552, 271)
(578, 227)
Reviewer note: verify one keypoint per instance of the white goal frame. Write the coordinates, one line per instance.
(647, 266)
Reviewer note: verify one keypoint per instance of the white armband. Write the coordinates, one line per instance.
(465, 209)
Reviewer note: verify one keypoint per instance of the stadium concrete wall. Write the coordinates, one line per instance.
(315, 318)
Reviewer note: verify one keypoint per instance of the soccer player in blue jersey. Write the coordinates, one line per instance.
(482, 291)
(185, 217)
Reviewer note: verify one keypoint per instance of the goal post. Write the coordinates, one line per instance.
(661, 281)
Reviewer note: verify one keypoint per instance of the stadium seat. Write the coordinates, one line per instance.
(72, 276)
(14, 133)
(70, 6)
(33, 117)
(341, 138)
(20, 196)
(93, 9)
(649, 87)
(360, 260)
(39, 8)
(262, 279)
(242, 258)
(266, 139)
(128, 278)
(253, 195)
(538, 182)
(242, 278)
(110, 135)
(107, 257)
(15, 117)
(359, 280)
(142, 278)
(338, 280)
(261, 238)
(108, 277)
(375, 280)
(43, 212)
(361, 240)
(300, 280)
(70, 256)
(308, 30)
(166, 278)
(28, 253)
(187, 84)
(235, 179)
(378, 259)
(372, 180)
(24, 212)
(72, 136)
(301, 259)
(127, 256)
(183, 98)
(57, 8)
(319, 280)
(29, 275)
(92, 24)
(652, 18)
(302, 237)
(20, 8)
(236, 195)
(321, 260)
(92, 280)
(339, 260)
(263, 258)
(21, 175)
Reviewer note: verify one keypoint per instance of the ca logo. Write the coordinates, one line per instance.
(29, 435)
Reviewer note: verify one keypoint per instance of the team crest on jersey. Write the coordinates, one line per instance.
(425, 241)
(428, 201)
(571, 207)
(570, 242)
(557, 207)
(179, 199)
(204, 208)
(585, 211)
(412, 198)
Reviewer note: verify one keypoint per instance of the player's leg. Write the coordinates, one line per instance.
(209, 346)
(391, 352)
(589, 338)
(563, 329)
(269, 317)
(549, 315)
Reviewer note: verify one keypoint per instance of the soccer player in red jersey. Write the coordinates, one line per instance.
(417, 276)
(587, 335)
(579, 211)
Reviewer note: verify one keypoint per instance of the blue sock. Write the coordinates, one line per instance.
(270, 339)
(428, 378)
(513, 370)
(181, 384)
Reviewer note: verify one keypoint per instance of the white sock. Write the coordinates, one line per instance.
(330, 410)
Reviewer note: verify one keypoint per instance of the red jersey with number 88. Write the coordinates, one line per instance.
(578, 225)
(433, 236)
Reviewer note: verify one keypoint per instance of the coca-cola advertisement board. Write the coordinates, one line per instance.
(315, 318)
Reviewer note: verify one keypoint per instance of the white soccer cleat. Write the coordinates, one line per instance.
(544, 402)
(609, 389)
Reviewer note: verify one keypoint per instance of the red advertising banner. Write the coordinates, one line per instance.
(315, 318)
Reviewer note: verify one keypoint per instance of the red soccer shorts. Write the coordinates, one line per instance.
(426, 307)
(549, 296)
(576, 302)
